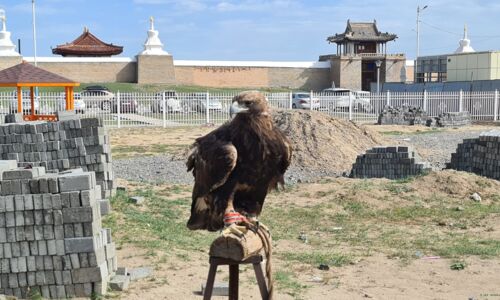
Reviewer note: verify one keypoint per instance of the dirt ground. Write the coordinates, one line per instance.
(382, 239)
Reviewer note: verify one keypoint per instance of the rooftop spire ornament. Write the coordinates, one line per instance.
(7, 48)
(153, 45)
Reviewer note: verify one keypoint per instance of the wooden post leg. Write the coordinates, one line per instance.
(261, 281)
(209, 286)
(233, 281)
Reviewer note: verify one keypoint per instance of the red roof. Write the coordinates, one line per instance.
(27, 73)
(87, 44)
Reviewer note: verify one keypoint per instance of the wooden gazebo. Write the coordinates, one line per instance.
(27, 75)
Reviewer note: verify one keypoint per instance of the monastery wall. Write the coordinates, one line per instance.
(251, 74)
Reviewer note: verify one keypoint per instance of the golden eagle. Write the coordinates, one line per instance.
(236, 165)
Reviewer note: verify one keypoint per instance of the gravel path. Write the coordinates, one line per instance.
(165, 169)
(435, 148)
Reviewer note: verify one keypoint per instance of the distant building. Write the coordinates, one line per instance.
(87, 45)
(359, 48)
(434, 68)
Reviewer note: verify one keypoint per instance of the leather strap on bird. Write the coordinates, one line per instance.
(266, 243)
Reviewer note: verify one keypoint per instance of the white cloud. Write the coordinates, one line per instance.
(255, 5)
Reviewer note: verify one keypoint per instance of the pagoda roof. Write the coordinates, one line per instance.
(25, 74)
(87, 44)
(361, 32)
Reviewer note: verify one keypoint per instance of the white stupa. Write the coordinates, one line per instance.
(464, 44)
(153, 45)
(7, 48)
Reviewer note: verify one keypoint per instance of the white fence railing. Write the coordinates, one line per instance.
(170, 109)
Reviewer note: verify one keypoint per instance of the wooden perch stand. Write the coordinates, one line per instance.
(233, 250)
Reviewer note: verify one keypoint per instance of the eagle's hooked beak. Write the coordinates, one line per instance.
(236, 108)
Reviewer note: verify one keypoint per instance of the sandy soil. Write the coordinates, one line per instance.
(374, 277)
(377, 276)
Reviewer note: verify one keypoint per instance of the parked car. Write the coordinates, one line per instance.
(303, 100)
(128, 104)
(173, 104)
(80, 105)
(98, 98)
(26, 100)
(340, 98)
(198, 102)
(95, 88)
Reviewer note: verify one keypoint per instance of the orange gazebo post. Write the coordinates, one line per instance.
(27, 75)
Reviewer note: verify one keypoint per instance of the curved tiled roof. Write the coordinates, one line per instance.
(87, 44)
(27, 73)
(362, 32)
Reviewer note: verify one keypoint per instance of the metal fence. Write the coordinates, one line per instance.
(168, 109)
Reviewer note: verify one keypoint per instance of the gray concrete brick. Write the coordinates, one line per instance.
(47, 265)
(31, 278)
(56, 201)
(77, 215)
(22, 264)
(28, 202)
(78, 245)
(42, 247)
(31, 263)
(37, 202)
(75, 182)
(51, 247)
(57, 261)
(104, 206)
(40, 278)
(33, 248)
(75, 261)
(11, 234)
(85, 275)
(78, 229)
(10, 219)
(9, 203)
(15, 249)
(18, 202)
(47, 201)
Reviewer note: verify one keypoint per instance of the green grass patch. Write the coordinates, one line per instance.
(417, 132)
(153, 149)
(315, 258)
(286, 280)
(160, 226)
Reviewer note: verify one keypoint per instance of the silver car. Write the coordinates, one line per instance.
(302, 100)
(172, 103)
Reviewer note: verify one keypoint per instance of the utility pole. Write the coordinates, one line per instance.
(34, 31)
(418, 41)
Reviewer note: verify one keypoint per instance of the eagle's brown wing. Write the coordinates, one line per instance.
(212, 163)
(285, 160)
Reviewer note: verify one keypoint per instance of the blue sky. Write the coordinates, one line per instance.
(282, 30)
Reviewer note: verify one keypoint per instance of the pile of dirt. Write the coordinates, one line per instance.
(323, 143)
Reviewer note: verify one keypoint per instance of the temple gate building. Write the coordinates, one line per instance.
(359, 48)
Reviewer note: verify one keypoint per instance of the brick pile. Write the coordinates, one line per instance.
(73, 143)
(51, 238)
(404, 115)
(479, 155)
(451, 119)
(388, 162)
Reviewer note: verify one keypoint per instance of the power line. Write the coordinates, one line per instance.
(458, 34)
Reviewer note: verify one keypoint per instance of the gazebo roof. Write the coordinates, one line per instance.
(87, 44)
(25, 74)
(361, 32)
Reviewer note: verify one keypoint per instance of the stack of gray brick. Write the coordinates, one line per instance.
(451, 119)
(63, 145)
(51, 237)
(388, 162)
(403, 115)
(479, 155)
